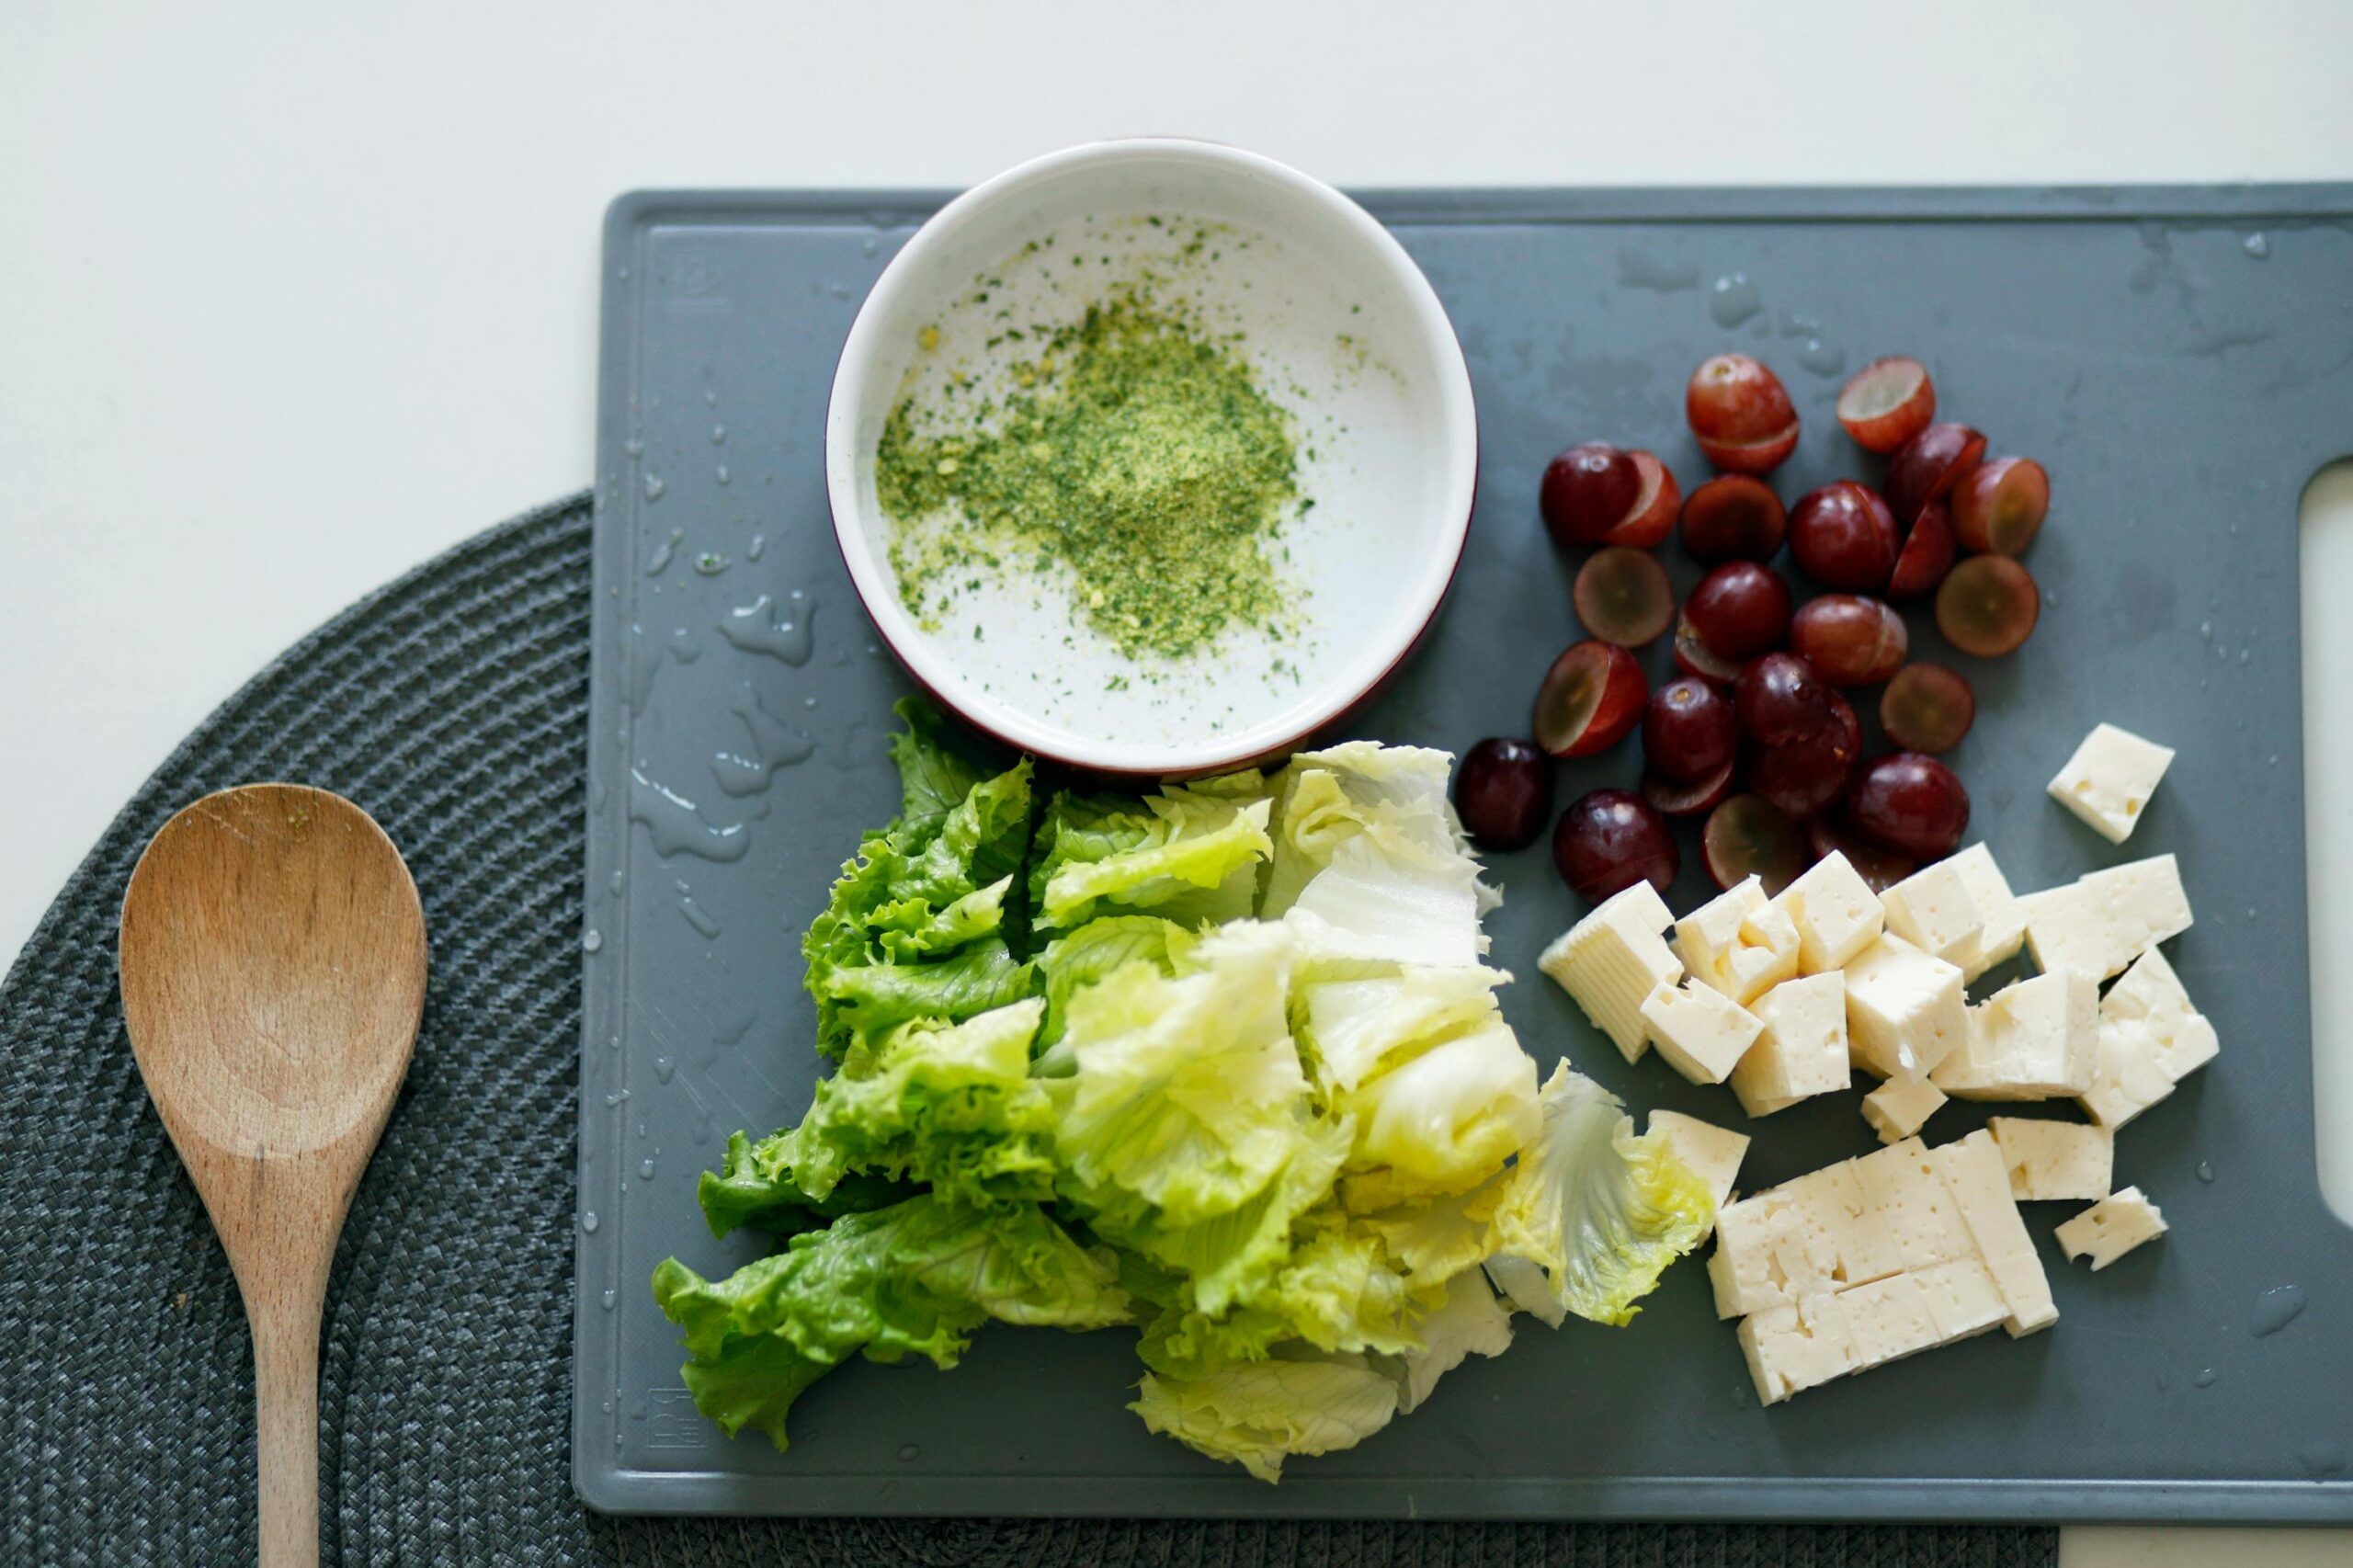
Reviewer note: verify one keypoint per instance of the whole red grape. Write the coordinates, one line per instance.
(1610, 840)
(1912, 804)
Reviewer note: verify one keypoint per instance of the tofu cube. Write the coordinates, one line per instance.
(2036, 1039)
(1801, 1050)
(2112, 1227)
(1904, 1009)
(1980, 1184)
(1764, 1258)
(2126, 1077)
(1844, 1224)
(2051, 1160)
(2152, 995)
(1794, 1347)
(2109, 780)
(1701, 1032)
(1901, 1107)
(1835, 911)
(1738, 943)
(1932, 909)
(1888, 1320)
(1901, 1184)
(2003, 927)
(1613, 959)
(1963, 1298)
(2101, 923)
(1713, 1152)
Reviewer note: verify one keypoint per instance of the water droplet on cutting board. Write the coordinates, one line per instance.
(757, 628)
(685, 644)
(1733, 299)
(710, 397)
(1824, 359)
(711, 563)
(588, 1221)
(590, 940)
(774, 744)
(1641, 269)
(2205, 1380)
(721, 473)
(2322, 1460)
(617, 1097)
(607, 1299)
(908, 1453)
(633, 446)
(654, 486)
(2277, 1308)
(718, 434)
(734, 1027)
(2257, 247)
(659, 561)
(698, 918)
(2205, 1170)
(677, 825)
(645, 1169)
(616, 881)
(752, 550)
(665, 1069)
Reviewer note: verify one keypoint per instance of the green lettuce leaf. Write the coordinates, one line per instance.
(857, 1005)
(1450, 1117)
(1356, 1025)
(1469, 1321)
(1258, 1414)
(1601, 1211)
(1189, 854)
(1094, 950)
(757, 1185)
(915, 1279)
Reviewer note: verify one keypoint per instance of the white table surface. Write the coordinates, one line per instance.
(292, 296)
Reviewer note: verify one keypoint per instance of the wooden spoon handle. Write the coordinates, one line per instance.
(286, 1405)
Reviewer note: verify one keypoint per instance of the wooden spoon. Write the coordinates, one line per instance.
(272, 963)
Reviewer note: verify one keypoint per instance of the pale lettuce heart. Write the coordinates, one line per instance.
(1470, 1322)
(1356, 1025)
(1452, 1116)
(1258, 1414)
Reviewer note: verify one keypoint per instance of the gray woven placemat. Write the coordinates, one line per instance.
(452, 705)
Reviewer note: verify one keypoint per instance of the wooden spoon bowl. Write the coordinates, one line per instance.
(272, 963)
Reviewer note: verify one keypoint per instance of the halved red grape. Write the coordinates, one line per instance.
(1688, 730)
(1741, 413)
(1692, 658)
(1887, 403)
(1806, 778)
(1624, 596)
(1880, 869)
(1927, 707)
(1739, 610)
(2000, 505)
(1610, 840)
(1586, 492)
(1844, 538)
(1749, 836)
(1680, 799)
(1734, 517)
(1925, 557)
(1780, 699)
(1652, 518)
(1929, 465)
(1503, 792)
(1850, 640)
(1910, 803)
(1591, 697)
(1988, 606)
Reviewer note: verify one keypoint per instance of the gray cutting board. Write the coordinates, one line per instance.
(2182, 360)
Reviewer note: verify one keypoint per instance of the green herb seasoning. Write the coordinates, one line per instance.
(1136, 454)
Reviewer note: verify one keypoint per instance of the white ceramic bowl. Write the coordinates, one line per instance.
(1339, 326)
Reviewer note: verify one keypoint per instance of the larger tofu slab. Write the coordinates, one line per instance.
(1613, 959)
(1980, 1184)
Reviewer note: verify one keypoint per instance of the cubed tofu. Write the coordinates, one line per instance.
(1713, 1152)
(1801, 1050)
(2109, 780)
(1844, 1224)
(1901, 1107)
(1739, 943)
(2051, 1160)
(1794, 1347)
(2003, 929)
(2036, 1039)
(1980, 1184)
(1702, 1033)
(2126, 1078)
(1888, 1320)
(1835, 911)
(1932, 909)
(2101, 923)
(2180, 1039)
(1764, 1258)
(1613, 959)
(1904, 1009)
(1901, 1184)
(2112, 1227)
(1963, 1297)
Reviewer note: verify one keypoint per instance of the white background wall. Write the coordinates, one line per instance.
(294, 295)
